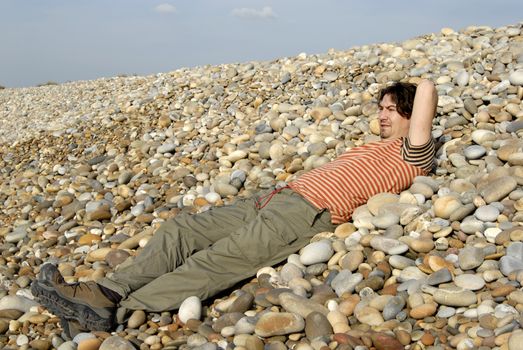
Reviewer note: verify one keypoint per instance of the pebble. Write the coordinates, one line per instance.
(18, 234)
(368, 315)
(445, 311)
(515, 340)
(316, 252)
(469, 281)
(15, 302)
(279, 323)
(166, 148)
(498, 189)
(191, 308)
(445, 206)
(393, 307)
(68, 345)
(454, 296)
(116, 343)
(300, 305)
(89, 344)
(137, 318)
(317, 325)
(346, 282)
(422, 311)
(73, 193)
(516, 77)
(388, 245)
(441, 276)
(487, 213)
(474, 152)
(470, 257)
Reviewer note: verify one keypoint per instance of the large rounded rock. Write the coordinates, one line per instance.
(455, 296)
(388, 245)
(498, 189)
(368, 315)
(487, 213)
(516, 77)
(446, 205)
(279, 323)
(225, 189)
(471, 257)
(513, 260)
(469, 281)
(137, 318)
(393, 307)
(191, 308)
(345, 282)
(116, 343)
(474, 152)
(300, 305)
(515, 341)
(377, 201)
(382, 341)
(16, 302)
(317, 325)
(316, 252)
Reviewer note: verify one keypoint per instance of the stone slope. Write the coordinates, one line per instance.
(90, 169)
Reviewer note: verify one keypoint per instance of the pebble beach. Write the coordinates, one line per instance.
(90, 169)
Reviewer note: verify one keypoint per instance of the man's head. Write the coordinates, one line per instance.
(395, 108)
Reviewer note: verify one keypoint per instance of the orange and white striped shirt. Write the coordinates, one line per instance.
(351, 179)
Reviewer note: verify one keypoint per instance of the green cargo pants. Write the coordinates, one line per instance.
(206, 253)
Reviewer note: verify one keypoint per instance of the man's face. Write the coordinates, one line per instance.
(392, 124)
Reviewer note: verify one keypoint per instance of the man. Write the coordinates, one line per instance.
(206, 253)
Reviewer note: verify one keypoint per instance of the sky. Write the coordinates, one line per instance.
(69, 40)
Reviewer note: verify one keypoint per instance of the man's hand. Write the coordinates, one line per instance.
(423, 111)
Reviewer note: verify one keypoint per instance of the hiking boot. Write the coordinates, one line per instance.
(71, 328)
(82, 302)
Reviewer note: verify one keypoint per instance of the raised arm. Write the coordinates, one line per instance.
(423, 111)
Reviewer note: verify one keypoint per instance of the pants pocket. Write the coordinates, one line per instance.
(264, 239)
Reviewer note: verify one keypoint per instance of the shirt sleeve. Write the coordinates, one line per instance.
(419, 156)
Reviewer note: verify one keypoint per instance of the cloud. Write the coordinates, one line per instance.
(264, 13)
(165, 8)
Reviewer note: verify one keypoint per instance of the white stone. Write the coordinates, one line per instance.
(237, 155)
(462, 78)
(480, 136)
(500, 87)
(516, 78)
(191, 308)
(316, 252)
(469, 281)
(491, 233)
(474, 152)
(388, 245)
(17, 303)
(212, 197)
(166, 148)
(225, 189)
(411, 273)
(345, 282)
(487, 213)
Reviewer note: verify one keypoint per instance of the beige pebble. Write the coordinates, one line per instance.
(89, 344)
(445, 206)
(137, 318)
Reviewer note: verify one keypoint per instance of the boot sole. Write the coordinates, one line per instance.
(86, 316)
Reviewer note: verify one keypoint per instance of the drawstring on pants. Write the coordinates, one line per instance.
(262, 201)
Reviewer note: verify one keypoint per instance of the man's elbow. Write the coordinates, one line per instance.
(427, 85)
(428, 89)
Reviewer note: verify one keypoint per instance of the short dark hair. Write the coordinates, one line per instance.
(402, 94)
